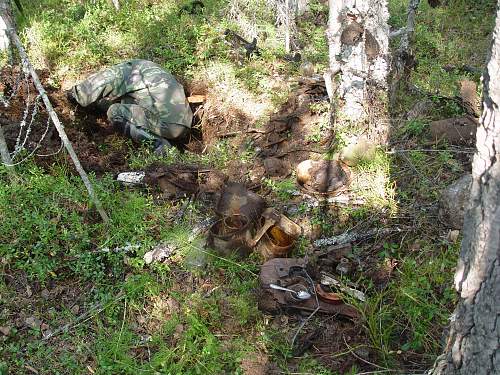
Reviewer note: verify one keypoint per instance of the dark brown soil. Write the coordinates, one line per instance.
(95, 142)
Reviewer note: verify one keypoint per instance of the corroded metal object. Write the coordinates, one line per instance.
(323, 177)
(278, 234)
(237, 200)
(231, 234)
(290, 273)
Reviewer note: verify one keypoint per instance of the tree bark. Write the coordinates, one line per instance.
(403, 57)
(5, 11)
(5, 18)
(116, 4)
(358, 43)
(473, 342)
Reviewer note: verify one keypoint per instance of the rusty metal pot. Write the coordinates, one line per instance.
(280, 235)
(231, 234)
(236, 199)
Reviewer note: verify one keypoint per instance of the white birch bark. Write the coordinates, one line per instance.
(358, 69)
(116, 4)
(4, 45)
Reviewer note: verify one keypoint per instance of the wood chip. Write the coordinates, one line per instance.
(196, 99)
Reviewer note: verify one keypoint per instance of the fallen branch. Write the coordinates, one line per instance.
(348, 237)
(53, 116)
(465, 151)
(232, 134)
(395, 34)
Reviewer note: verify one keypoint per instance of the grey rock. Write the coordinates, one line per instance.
(356, 152)
(454, 201)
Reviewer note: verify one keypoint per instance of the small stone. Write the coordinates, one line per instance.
(75, 309)
(44, 326)
(33, 322)
(45, 294)
(5, 330)
(453, 235)
(454, 201)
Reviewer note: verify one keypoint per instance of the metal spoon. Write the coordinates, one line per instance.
(301, 294)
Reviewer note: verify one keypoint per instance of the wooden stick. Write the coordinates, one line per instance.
(57, 123)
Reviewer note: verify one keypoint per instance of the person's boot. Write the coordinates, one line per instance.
(161, 146)
(140, 135)
(70, 96)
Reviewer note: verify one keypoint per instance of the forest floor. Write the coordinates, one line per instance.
(78, 296)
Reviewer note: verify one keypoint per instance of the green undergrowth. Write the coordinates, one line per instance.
(454, 35)
(177, 318)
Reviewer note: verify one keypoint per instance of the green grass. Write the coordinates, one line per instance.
(51, 235)
(453, 34)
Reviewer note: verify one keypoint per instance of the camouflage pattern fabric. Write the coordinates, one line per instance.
(140, 94)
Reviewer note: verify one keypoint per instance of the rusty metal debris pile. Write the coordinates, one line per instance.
(244, 224)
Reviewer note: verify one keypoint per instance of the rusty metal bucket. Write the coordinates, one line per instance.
(279, 235)
(236, 199)
(231, 234)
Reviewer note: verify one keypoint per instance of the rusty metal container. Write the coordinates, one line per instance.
(231, 234)
(280, 235)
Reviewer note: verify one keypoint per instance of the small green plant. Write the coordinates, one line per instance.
(415, 127)
(284, 189)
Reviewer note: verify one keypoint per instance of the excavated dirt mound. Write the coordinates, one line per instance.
(95, 142)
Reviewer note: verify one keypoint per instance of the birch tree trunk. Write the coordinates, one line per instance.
(358, 41)
(473, 342)
(5, 13)
(116, 4)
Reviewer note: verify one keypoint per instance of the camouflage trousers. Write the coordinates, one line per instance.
(126, 117)
(138, 96)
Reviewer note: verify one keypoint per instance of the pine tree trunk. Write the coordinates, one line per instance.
(473, 342)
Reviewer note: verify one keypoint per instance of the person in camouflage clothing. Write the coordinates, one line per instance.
(142, 100)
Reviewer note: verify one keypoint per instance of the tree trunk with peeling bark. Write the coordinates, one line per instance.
(358, 40)
(5, 18)
(116, 4)
(473, 342)
(5, 11)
